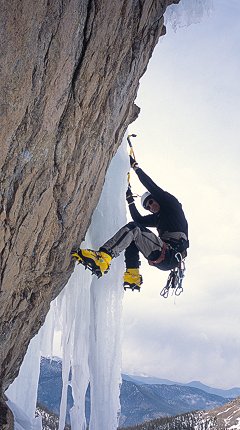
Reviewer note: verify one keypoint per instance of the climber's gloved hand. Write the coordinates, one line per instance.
(133, 163)
(129, 196)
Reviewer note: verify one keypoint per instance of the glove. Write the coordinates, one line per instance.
(129, 196)
(133, 163)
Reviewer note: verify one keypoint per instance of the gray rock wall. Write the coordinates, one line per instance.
(70, 71)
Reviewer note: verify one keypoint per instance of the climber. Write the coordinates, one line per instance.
(160, 251)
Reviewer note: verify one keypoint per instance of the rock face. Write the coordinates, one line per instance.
(70, 71)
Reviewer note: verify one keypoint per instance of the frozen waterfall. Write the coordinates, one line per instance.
(88, 314)
(90, 311)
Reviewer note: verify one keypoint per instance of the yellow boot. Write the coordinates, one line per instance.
(97, 261)
(132, 279)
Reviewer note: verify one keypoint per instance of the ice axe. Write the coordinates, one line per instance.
(131, 154)
(130, 145)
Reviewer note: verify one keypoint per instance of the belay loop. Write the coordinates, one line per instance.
(175, 278)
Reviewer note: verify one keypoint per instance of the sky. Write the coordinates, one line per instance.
(188, 142)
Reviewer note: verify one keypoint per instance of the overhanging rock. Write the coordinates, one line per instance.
(70, 74)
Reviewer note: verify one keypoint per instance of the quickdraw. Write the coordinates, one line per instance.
(175, 278)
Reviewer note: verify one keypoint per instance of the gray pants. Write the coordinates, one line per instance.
(145, 241)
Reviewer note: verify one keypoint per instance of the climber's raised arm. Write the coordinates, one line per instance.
(146, 220)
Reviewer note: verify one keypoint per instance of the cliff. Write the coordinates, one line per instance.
(70, 71)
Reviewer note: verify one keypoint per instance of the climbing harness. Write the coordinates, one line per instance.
(175, 278)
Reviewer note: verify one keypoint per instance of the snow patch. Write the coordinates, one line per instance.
(236, 426)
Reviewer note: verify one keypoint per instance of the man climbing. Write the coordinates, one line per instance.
(160, 251)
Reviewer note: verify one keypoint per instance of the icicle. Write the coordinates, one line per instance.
(22, 421)
(106, 302)
(67, 317)
(22, 393)
(79, 361)
(73, 308)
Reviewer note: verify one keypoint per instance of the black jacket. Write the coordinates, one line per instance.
(170, 218)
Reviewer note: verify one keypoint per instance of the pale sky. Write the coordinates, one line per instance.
(188, 142)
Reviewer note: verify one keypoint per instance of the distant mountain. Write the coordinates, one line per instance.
(232, 393)
(228, 394)
(188, 421)
(148, 380)
(221, 418)
(139, 402)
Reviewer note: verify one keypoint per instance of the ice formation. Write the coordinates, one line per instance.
(88, 313)
(22, 420)
(187, 12)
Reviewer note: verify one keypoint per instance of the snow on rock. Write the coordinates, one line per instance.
(235, 426)
(223, 417)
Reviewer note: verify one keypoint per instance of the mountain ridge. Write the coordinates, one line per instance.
(139, 402)
(222, 418)
(227, 393)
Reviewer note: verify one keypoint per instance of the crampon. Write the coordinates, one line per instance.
(132, 287)
(97, 262)
(132, 279)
